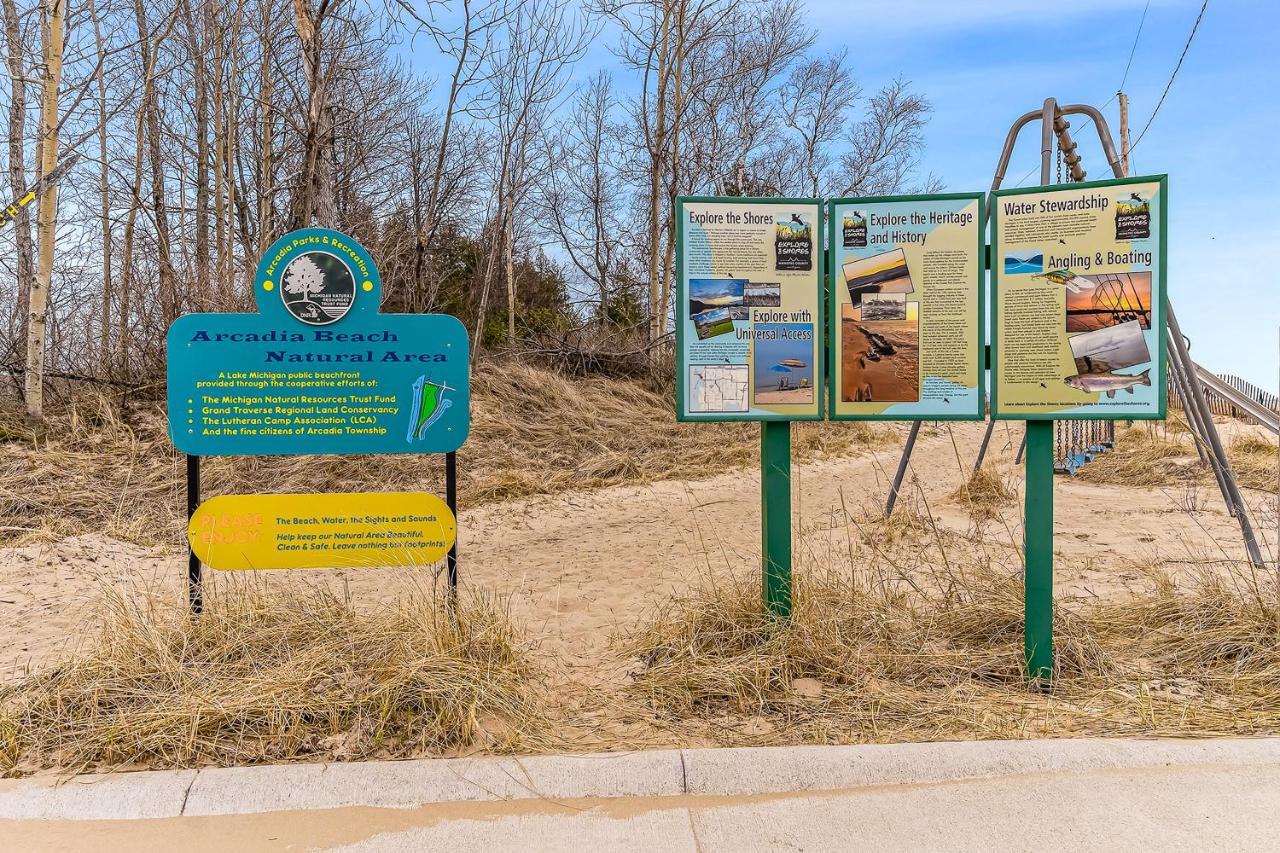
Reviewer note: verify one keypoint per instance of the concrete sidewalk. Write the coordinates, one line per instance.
(1042, 795)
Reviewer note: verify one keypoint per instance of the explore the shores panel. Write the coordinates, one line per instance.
(748, 309)
(1079, 293)
(906, 307)
(318, 368)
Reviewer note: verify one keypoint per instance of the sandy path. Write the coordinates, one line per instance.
(579, 565)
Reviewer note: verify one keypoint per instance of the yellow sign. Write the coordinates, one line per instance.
(236, 532)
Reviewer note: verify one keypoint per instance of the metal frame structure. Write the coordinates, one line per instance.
(1186, 374)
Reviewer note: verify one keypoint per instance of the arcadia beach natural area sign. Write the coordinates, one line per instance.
(318, 368)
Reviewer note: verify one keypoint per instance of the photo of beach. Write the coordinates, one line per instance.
(762, 294)
(880, 359)
(708, 293)
(1113, 299)
(884, 306)
(883, 273)
(783, 358)
(709, 324)
(1109, 349)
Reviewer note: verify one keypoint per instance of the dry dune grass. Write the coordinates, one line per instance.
(101, 469)
(926, 644)
(1147, 456)
(272, 674)
(984, 494)
(1256, 463)
(1163, 455)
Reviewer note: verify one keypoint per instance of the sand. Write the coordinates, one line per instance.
(791, 395)
(894, 378)
(581, 566)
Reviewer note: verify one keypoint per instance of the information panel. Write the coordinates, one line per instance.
(1079, 294)
(906, 307)
(748, 309)
(315, 531)
(318, 369)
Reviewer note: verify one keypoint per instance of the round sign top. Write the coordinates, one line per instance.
(317, 277)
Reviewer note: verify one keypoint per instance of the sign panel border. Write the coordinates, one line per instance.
(832, 330)
(681, 294)
(1161, 283)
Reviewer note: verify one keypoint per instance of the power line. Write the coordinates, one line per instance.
(1169, 85)
(1133, 50)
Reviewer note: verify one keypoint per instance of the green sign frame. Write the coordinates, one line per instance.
(833, 315)
(1159, 324)
(682, 297)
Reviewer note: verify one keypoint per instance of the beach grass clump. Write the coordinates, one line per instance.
(1145, 458)
(271, 674)
(985, 494)
(1255, 459)
(903, 654)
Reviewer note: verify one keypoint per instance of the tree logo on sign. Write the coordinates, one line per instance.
(318, 288)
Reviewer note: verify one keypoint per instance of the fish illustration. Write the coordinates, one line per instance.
(1068, 279)
(1092, 383)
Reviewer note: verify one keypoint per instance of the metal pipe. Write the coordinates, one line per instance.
(902, 469)
(451, 498)
(986, 440)
(1104, 134)
(1197, 431)
(195, 581)
(1178, 369)
(1246, 529)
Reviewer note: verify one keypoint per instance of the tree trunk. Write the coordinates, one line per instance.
(17, 161)
(266, 164)
(151, 107)
(316, 180)
(509, 252)
(200, 86)
(657, 155)
(104, 194)
(45, 224)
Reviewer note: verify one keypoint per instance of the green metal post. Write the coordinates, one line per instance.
(775, 515)
(1039, 550)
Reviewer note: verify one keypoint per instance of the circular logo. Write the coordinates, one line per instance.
(318, 288)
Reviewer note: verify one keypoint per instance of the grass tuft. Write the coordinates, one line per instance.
(984, 494)
(272, 675)
(917, 653)
(1255, 459)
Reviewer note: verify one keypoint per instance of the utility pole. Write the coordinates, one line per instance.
(1124, 131)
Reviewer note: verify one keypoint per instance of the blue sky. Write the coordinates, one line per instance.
(982, 64)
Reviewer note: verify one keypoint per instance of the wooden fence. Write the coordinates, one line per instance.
(1221, 406)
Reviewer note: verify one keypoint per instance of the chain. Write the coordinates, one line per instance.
(1058, 146)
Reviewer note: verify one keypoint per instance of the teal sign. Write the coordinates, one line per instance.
(318, 369)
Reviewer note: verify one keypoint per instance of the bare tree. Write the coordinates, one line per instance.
(815, 100)
(54, 31)
(579, 196)
(884, 146)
